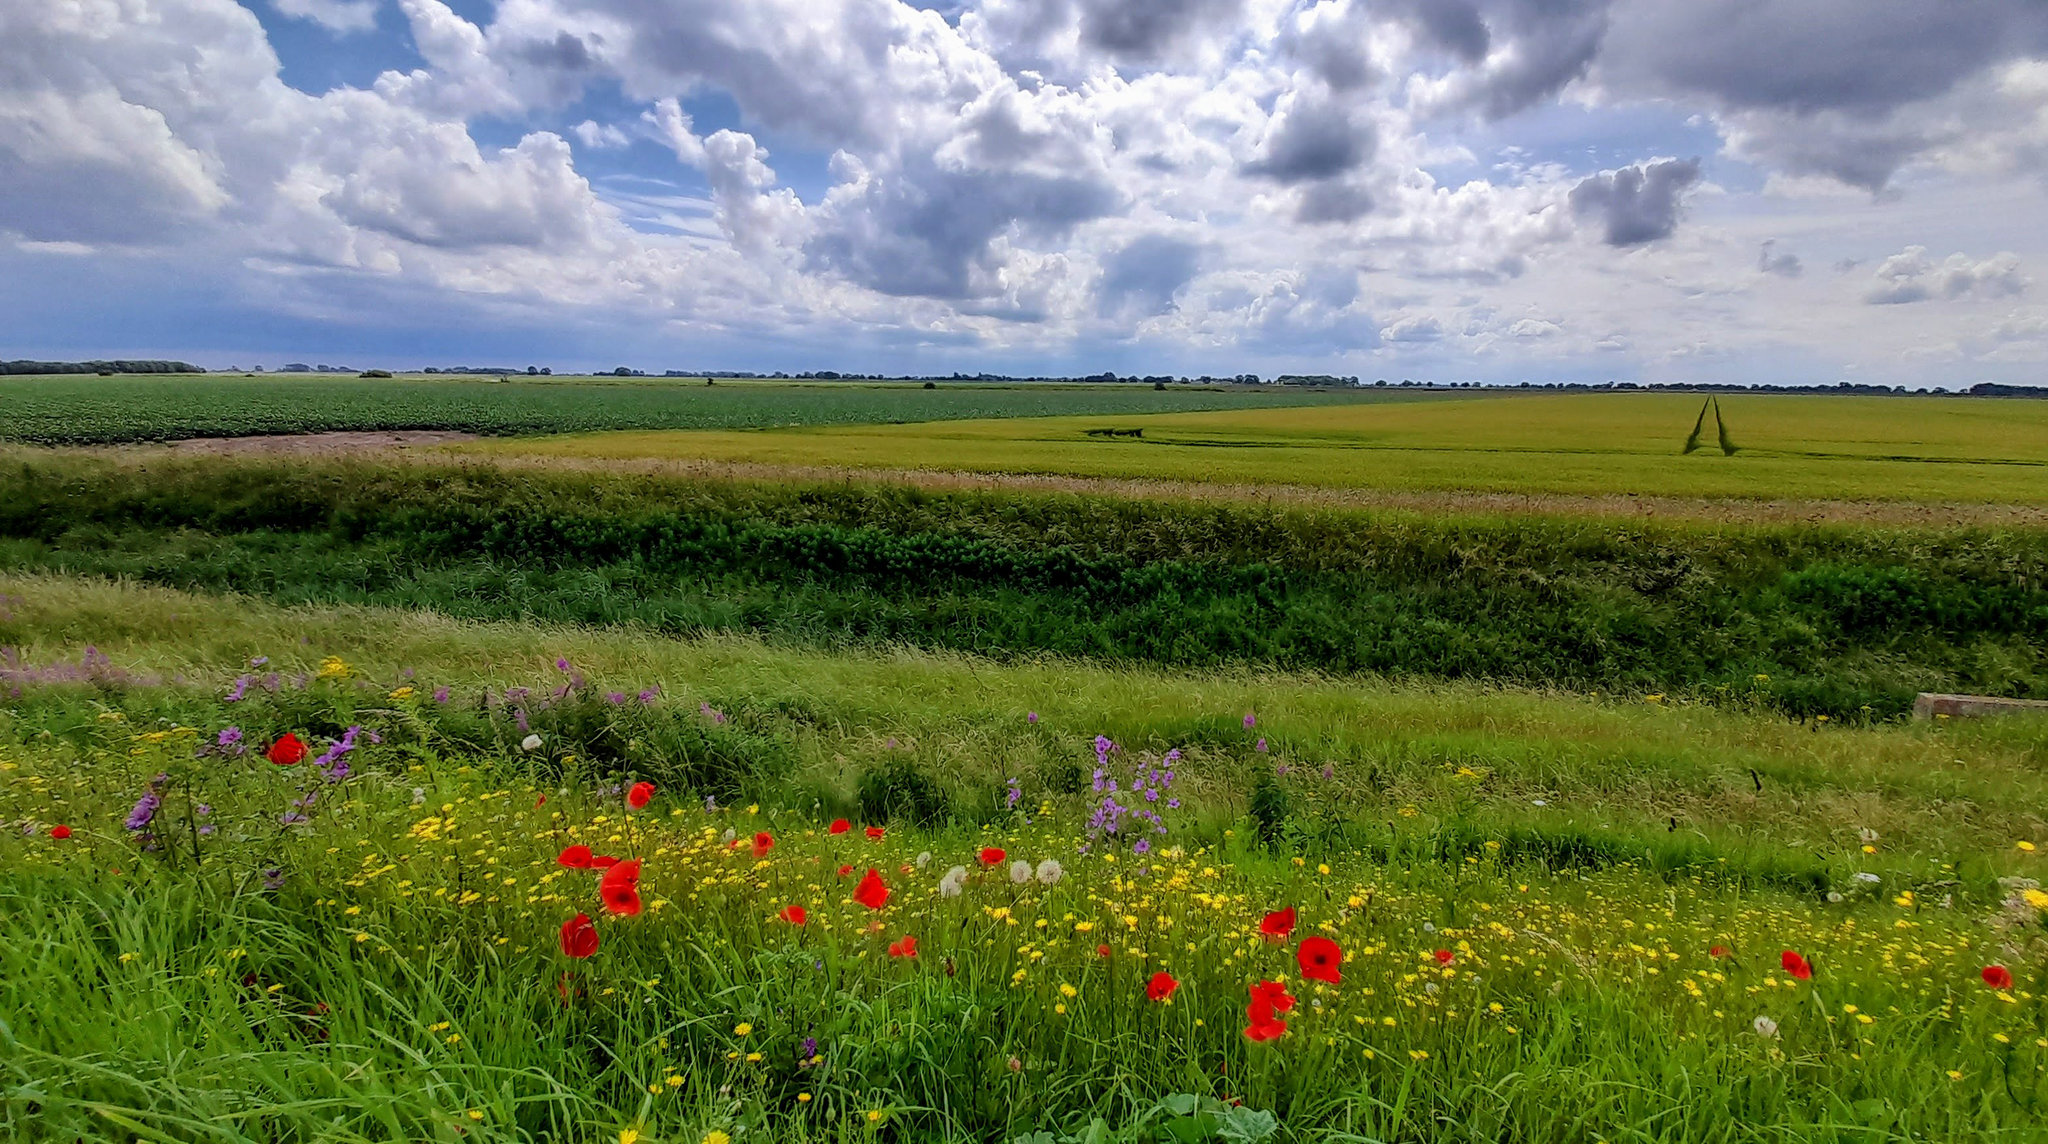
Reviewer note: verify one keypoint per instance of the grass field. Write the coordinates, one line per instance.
(99, 410)
(1554, 918)
(546, 790)
(1970, 450)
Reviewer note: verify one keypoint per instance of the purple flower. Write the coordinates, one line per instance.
(519, 717)
(1173, 804)
(1261, 748)
(1016, 793)
(1031, 717)
(145, 810)
(810, 1048)
(241, 688)
(615, 698)
(440, 695)
(259, 661)
(1329, 771)
(273, 879)
(649, 695)
(1250, 720)
(229, 738)
(561, 664)
(1141, 846)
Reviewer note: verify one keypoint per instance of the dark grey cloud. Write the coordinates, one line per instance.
(1140, 280)
(1144, 29)
(1552, 42)
(1636, 204)
(1807, 56)
(1332, 200)
(1334, 46)
(1782, 265)
(927, 231)
(566, 52)
(1313, 139)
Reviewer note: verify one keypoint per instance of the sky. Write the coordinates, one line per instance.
(1659, 191)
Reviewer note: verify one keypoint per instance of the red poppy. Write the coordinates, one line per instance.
(990, 855)
(1320, 958)
(620, 889)
(871, 892)
(640, 795)
(540, 802)
(1796, 965)
(603, 862)
(839, 826)
(579, 937)
(795, 915)
(60, 833)
(876, 832)
(623, 900)
(763, 843)
(1161, 986)
(1262, 1014)
(1102, 950)
(577, 857)
(1445, 957)
(1278, 925)
(1272, 993)
(287, 752)
(1998, 977)
(904, 948)
(1717, 951)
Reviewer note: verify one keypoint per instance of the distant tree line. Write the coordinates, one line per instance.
(122, 366)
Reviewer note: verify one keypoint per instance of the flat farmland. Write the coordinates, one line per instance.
(1929, 449)
(76, 410)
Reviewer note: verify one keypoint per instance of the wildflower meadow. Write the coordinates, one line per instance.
(314, 895)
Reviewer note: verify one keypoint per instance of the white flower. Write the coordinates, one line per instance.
(1537, 802)
(1867, 835)
(924, 858)
(1049, 871)
(530, 743)
(419, 795)
(1867, 876)
(1765, 1027)
(1834, 895)
(1428, 927)
(954, 881)
(1020, 871)
(730, 834)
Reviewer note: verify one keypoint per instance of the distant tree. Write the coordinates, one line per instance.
(622, 371)
(533, 371)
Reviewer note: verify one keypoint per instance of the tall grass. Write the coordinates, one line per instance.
(1838, 621)
(390, 968)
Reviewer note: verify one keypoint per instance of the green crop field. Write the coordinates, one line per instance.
(1965, 450)
(445, 909)
(100, 410)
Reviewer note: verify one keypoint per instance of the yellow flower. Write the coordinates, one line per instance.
(803, 1098)
(1067, 990)
(2025, 845)
(402, 693)
(333, 668)
(742, 1029)
(628, 1135)
(716, 1136)
(476, 1114)
(1955, 1074)
(874, 1116)
(2037, 899)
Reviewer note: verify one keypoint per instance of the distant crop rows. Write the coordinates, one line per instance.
(95, 410)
